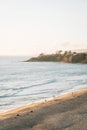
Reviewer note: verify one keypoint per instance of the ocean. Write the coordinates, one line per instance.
(23, 83)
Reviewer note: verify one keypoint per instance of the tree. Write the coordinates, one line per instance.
(65, 53)
(59, 52)
(41, 55)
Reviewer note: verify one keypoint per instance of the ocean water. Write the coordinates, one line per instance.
(24, 83)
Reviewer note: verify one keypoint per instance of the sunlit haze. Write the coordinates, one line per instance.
(29, 27)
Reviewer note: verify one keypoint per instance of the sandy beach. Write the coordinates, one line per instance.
(66, 112)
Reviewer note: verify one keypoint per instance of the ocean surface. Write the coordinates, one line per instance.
(24, 83)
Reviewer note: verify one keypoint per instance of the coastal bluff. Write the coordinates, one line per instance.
(67, 57)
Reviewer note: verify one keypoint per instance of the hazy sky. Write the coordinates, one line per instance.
(32, 26)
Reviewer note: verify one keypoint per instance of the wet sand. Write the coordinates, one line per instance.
(66, 112)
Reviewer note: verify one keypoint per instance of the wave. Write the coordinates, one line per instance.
(15, 91)
(35, 85)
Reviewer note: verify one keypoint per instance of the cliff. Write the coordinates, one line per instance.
(67, 56)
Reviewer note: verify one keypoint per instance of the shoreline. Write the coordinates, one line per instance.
(61, 96)
(48, 108)
(40, 101)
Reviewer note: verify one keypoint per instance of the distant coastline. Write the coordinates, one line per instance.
(60, 56)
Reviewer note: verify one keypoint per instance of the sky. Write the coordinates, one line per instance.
(30, 27)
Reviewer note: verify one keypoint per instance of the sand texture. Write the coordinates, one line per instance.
(67, 112)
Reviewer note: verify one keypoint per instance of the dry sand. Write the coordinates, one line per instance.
(67, 112)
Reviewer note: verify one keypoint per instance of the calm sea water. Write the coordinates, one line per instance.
(28, 82)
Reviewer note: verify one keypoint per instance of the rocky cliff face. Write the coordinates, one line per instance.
(78, 58)
(67, 57)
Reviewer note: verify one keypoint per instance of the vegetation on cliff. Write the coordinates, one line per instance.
(59, 56)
